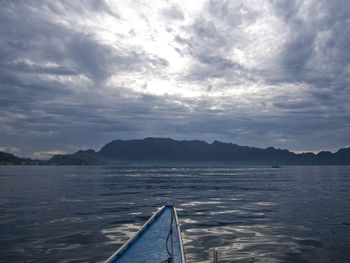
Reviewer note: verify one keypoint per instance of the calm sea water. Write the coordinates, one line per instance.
(83, 214)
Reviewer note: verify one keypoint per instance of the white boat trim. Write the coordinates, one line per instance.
(123, 247)
(183, 259)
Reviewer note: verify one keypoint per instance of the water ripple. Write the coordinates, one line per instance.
(248, 214)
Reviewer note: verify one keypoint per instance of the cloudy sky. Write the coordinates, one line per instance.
(78, 74)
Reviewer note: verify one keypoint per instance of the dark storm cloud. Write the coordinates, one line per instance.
(22, 67)
(29, 36)
(210, 39)
(58, 87)
(37, 54)
(314, 54)
(75, 122)
(316, 51)
(298, 52)
(99, 61)
(208, 46)
(295, 105)
(211, 67)
(81, 8)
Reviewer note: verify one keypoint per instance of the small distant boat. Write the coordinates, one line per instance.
(276, 166)
(158, 240)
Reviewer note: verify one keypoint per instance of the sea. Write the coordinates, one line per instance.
(248, 214)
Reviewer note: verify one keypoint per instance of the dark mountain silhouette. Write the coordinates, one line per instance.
(88, 157)
(172, 152)
(166, 151)
(10, 159)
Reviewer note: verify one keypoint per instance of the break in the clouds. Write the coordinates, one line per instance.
(77, 74)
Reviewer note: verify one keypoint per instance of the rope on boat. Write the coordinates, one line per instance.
(170, 259)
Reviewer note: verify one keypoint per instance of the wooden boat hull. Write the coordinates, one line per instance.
(158, 240)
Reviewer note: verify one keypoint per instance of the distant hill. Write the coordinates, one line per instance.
(166, 151)
(88, 157)
(10, 159)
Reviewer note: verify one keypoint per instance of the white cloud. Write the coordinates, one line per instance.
(46, 154)
(13, 150)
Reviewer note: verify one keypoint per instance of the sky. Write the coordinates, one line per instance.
(78, 74)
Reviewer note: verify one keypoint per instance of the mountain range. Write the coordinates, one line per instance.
(166, 151)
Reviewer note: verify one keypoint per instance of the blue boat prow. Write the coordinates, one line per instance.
(159, 240)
